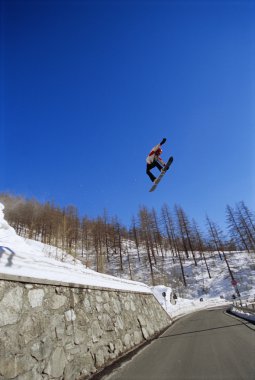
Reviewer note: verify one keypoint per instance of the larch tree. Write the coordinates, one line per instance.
(185, 232)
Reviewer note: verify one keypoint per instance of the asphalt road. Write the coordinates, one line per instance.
(207, 345)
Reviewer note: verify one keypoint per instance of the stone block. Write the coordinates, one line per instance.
(119, 324)
(70, 315)
(107, 323)
(96, 331)
(35, 297)
(41, 350)
(12, 366)
(99, 358)
(29, 329)
(127, 340)
(57, 301)
(138, 338)
(56, 365)
(11, 306)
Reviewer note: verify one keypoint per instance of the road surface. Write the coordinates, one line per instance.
(207, 345)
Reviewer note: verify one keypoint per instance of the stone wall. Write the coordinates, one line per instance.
(59, 331)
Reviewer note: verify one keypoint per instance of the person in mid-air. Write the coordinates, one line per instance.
(154, 160)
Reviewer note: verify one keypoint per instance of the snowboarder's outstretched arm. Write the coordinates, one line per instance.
(163, 141)
(159, 158)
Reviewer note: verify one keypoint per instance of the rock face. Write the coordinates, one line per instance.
(68, 332)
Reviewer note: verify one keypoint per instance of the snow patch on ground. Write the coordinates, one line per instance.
(243, 314)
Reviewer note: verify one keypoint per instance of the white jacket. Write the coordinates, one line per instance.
(152, 156)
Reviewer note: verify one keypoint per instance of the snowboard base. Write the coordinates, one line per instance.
(166, 167)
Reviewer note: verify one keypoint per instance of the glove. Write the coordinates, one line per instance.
(163, 141)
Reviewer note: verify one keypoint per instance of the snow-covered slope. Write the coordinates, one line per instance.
(23, 257)
(29, 258)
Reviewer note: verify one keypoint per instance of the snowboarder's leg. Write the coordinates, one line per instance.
(148, 171)
(159, 166)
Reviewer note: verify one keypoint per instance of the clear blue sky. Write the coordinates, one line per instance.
(89, 87)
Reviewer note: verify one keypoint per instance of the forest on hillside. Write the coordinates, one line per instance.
(152, 234)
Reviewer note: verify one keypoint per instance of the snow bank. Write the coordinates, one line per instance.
(243, 314)
(184, 306)
(24, 257)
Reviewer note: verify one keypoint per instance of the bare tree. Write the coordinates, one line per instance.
(185, 232)
(85, 237)
(213, 233)
(245, 223)
(235, 229)
(157, 233)
(217, 238)
(145, 228)
(200, 244)
(172, 237)
(135, 236)
(98, 243)
(249, 217)
(118, 240)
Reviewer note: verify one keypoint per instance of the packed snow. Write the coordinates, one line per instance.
(29, 258)
(249, 316)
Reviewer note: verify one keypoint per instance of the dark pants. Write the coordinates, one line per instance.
(151, 166)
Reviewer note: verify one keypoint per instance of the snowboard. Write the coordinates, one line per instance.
(155, 184)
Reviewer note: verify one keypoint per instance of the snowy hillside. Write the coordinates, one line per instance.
(199, 284)
(24, 257)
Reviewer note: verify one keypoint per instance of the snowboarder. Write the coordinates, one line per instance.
(154, 160)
